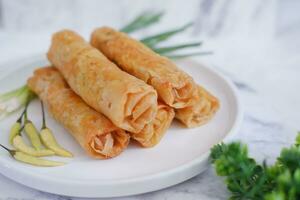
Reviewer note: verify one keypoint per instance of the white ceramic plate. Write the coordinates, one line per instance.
(182, 154)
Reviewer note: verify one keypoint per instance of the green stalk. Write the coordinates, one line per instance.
(43, 114)
(142, 21)
(26, 96)
(153, 40)
(168, 49)
(13, 93)
(49, 140)
(29, 96)
(19, 120)
(14, 100)
(181, 56)
(149, 18)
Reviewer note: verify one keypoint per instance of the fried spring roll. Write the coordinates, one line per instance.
(93, 131)
(127, 101)
(201, 112)
(174, 87)
(153, 132)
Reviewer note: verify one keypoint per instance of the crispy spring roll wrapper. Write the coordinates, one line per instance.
(201, 112)
(174, 87)
(153, 132)
(96, 134)
(127, 101)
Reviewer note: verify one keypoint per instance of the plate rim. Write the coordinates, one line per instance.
(191, 167)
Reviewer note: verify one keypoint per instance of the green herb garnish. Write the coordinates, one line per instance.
(13, 100)
(248, 180)
(180, 56)
(153, 40)
(142, 21)
(168, 49)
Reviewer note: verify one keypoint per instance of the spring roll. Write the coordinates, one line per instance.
(93, 131)
(127, 101)
(153, 132)
(201, 112)
(174, 87)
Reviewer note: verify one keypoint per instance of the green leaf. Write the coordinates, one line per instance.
(12, 93)
(246, 179)
(153, 40)
(217, 151)
(168, 49)
(181, 56)
(142, 21)
(275, 196)
(290, 158)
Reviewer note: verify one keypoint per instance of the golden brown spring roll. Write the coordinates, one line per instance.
(93, 131)
(201, 112)
(127, 101)
(174, 87)
(153, 132)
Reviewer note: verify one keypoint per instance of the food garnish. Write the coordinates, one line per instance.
(165, 50)
(246, 179)
(13, 100)
(180, 56)
(150, 18)
(31, 131)
(16, 128)
(142, 21)
(17, 141)
(153, 40)
(49, 140)
(25, 158)
(20, 145)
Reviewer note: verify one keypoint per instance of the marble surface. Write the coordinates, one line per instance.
(255, 43)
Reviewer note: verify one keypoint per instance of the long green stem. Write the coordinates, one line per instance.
(180, 56)
(142, 21)
(24, 95)
(153, 40)
(27, 102)
(13, 93)
(21, 116)
(168, 49)
(44, 118)
(25, 114)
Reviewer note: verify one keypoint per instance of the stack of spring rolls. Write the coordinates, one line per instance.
(114, 89)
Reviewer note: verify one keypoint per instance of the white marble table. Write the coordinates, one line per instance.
(264, 64)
